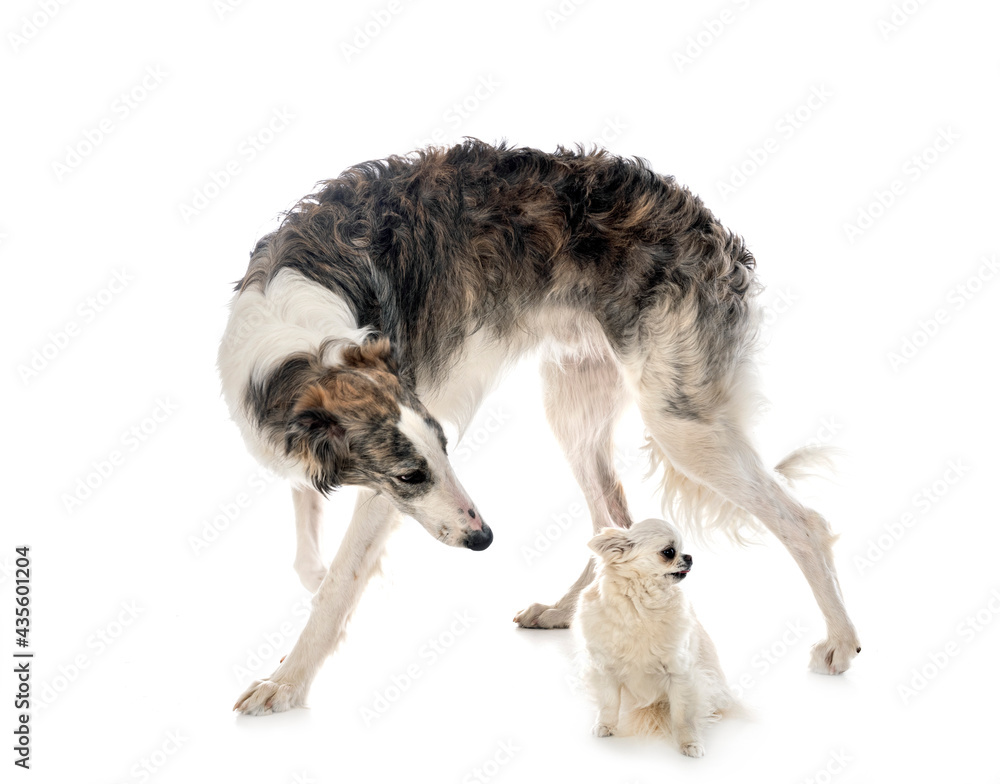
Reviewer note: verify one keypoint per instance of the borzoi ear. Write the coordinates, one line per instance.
(314, 433)
(611, 544)
(373, 352)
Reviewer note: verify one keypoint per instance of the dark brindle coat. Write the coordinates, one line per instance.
(450, 264)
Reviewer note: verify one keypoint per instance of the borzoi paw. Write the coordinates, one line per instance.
(544, 616)
(832, 657)
(264, 697)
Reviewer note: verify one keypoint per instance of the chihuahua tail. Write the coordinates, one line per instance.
(655, 719)
(648, 720)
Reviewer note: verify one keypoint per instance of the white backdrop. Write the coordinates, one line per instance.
(145, 149)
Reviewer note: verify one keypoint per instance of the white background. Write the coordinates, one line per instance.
(117, 689)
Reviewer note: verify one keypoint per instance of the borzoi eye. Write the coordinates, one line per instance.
(669, 553)
(417, 477)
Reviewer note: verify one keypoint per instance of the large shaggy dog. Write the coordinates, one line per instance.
(392, 298)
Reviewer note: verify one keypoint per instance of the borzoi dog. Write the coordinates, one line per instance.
(391, 299)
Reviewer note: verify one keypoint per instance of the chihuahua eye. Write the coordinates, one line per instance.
(669, 553)
(417, 477)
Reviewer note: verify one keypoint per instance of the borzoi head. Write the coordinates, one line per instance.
(359, 425)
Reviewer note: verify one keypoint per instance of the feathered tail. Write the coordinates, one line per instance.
(699, 509)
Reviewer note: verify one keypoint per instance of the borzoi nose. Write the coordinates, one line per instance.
(479, 539)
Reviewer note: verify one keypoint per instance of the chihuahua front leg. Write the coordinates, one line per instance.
(608, 692)
(684, 721)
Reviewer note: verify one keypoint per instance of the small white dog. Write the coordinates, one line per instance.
(652, 667)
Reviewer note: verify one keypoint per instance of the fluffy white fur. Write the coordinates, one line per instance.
(290, 316)
(651, 665)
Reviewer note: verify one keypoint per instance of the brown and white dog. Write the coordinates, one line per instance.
(392, 299)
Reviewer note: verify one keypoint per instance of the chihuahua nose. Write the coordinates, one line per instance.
(479, 540)
(688, 560)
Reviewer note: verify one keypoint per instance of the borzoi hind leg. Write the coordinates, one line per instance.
(583, 400)
(714, 452)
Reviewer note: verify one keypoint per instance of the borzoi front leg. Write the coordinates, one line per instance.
(308, 518)
(356, 561)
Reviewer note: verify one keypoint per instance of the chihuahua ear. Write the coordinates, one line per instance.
(315, 435)
(611, 543)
